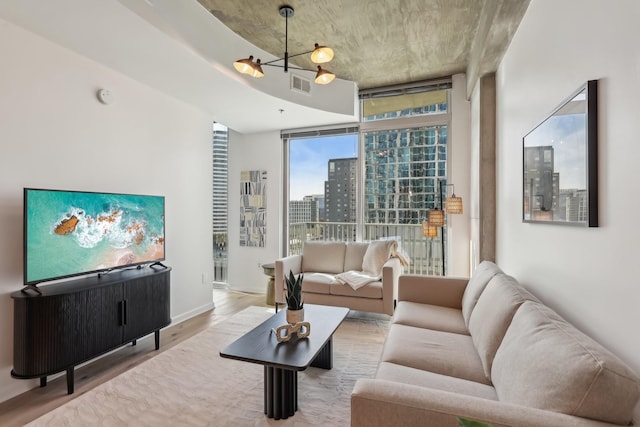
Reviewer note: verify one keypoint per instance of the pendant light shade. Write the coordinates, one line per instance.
(436, 217)
(248, 67)
(324, 77)
(321, 54)
(244, 66)
(453, 204)
(429, 230)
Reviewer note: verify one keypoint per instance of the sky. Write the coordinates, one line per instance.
(567, 136)
(308, 162)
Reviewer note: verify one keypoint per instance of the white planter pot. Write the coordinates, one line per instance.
(295, 316)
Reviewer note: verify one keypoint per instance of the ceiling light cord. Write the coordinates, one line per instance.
(286, 36)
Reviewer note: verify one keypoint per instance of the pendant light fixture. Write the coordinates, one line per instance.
(453, 204)
(436, 217)
(319, 55)
(429, 230)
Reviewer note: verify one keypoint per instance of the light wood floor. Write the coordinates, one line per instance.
(38, 401)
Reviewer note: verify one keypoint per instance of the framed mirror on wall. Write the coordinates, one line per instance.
(560, 163)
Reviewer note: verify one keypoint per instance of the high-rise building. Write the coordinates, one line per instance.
(574, 205)
(340, 190)
(320, 210)
(541, 183)
(303, 211)
(403, 172)
(220, 178)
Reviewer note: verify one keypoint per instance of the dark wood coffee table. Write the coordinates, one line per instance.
(282, 361)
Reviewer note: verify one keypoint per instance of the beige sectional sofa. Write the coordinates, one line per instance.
(322, 262)
(488, 350)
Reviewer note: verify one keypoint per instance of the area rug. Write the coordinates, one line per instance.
(191, 385)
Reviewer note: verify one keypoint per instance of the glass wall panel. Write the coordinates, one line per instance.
(404, 105)
(220, 203)
(404, 182)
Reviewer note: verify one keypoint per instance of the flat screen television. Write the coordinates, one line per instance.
(72, 233)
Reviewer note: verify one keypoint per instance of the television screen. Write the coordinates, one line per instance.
(69, 233)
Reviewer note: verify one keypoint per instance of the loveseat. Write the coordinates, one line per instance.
(486, 349)
(327, 268)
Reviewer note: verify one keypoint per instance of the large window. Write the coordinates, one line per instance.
(384, 187)
(322, 188)
(402, 170)
(220, 202)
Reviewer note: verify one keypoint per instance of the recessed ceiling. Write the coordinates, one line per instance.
(381, 42)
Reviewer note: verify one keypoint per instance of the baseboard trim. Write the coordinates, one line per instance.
(192, 313)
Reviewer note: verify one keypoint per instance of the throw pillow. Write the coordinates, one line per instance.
(376, 255)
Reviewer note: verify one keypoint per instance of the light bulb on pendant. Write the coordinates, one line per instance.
(324, 77)
(321, 54)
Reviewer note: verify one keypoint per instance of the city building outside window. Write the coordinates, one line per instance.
(220, 203)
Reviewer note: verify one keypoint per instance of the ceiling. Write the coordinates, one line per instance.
(181, 49)
(381, 42)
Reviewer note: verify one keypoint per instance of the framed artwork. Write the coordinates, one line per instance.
(253, 208)
(560, 163)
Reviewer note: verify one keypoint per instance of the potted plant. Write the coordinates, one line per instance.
(295, 310)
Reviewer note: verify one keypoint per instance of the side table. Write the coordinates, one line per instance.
(270, 270)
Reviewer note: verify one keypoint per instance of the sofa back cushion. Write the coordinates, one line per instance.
(354, 254)
(478, 281)
(323, 257)
(546, 363)
(492, 315)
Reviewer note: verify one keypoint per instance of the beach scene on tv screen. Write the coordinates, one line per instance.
(70, 233)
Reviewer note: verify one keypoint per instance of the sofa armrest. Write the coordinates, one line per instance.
(391, 271)
(392, 404)
(283, 266)
(435, 290)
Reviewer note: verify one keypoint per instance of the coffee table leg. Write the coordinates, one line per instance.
(324, 359)
(280, 392)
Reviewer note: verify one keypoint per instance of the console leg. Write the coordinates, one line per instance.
(157, 335)
(43, 381)
(134, 342)
(70, 380)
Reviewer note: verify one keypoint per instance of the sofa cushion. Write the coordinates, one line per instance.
(370, 290)
(323, 257)
(430, 316)
(478, 281)
(354, 254)
(377, 254)
(406, 375)
(318, 283)
(546, 363)
(492, 315)
(434, 351)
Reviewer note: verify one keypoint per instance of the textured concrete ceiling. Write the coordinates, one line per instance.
(381, 42)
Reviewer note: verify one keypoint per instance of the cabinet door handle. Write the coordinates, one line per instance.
(122, 312)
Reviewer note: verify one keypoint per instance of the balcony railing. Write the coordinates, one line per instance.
(425, 254)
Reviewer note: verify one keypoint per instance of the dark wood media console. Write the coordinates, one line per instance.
(77, 320)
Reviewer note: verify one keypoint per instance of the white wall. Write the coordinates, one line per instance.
(459, 175)
(589, 275)
(260, 151)
(55, 134)
(474, 171)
